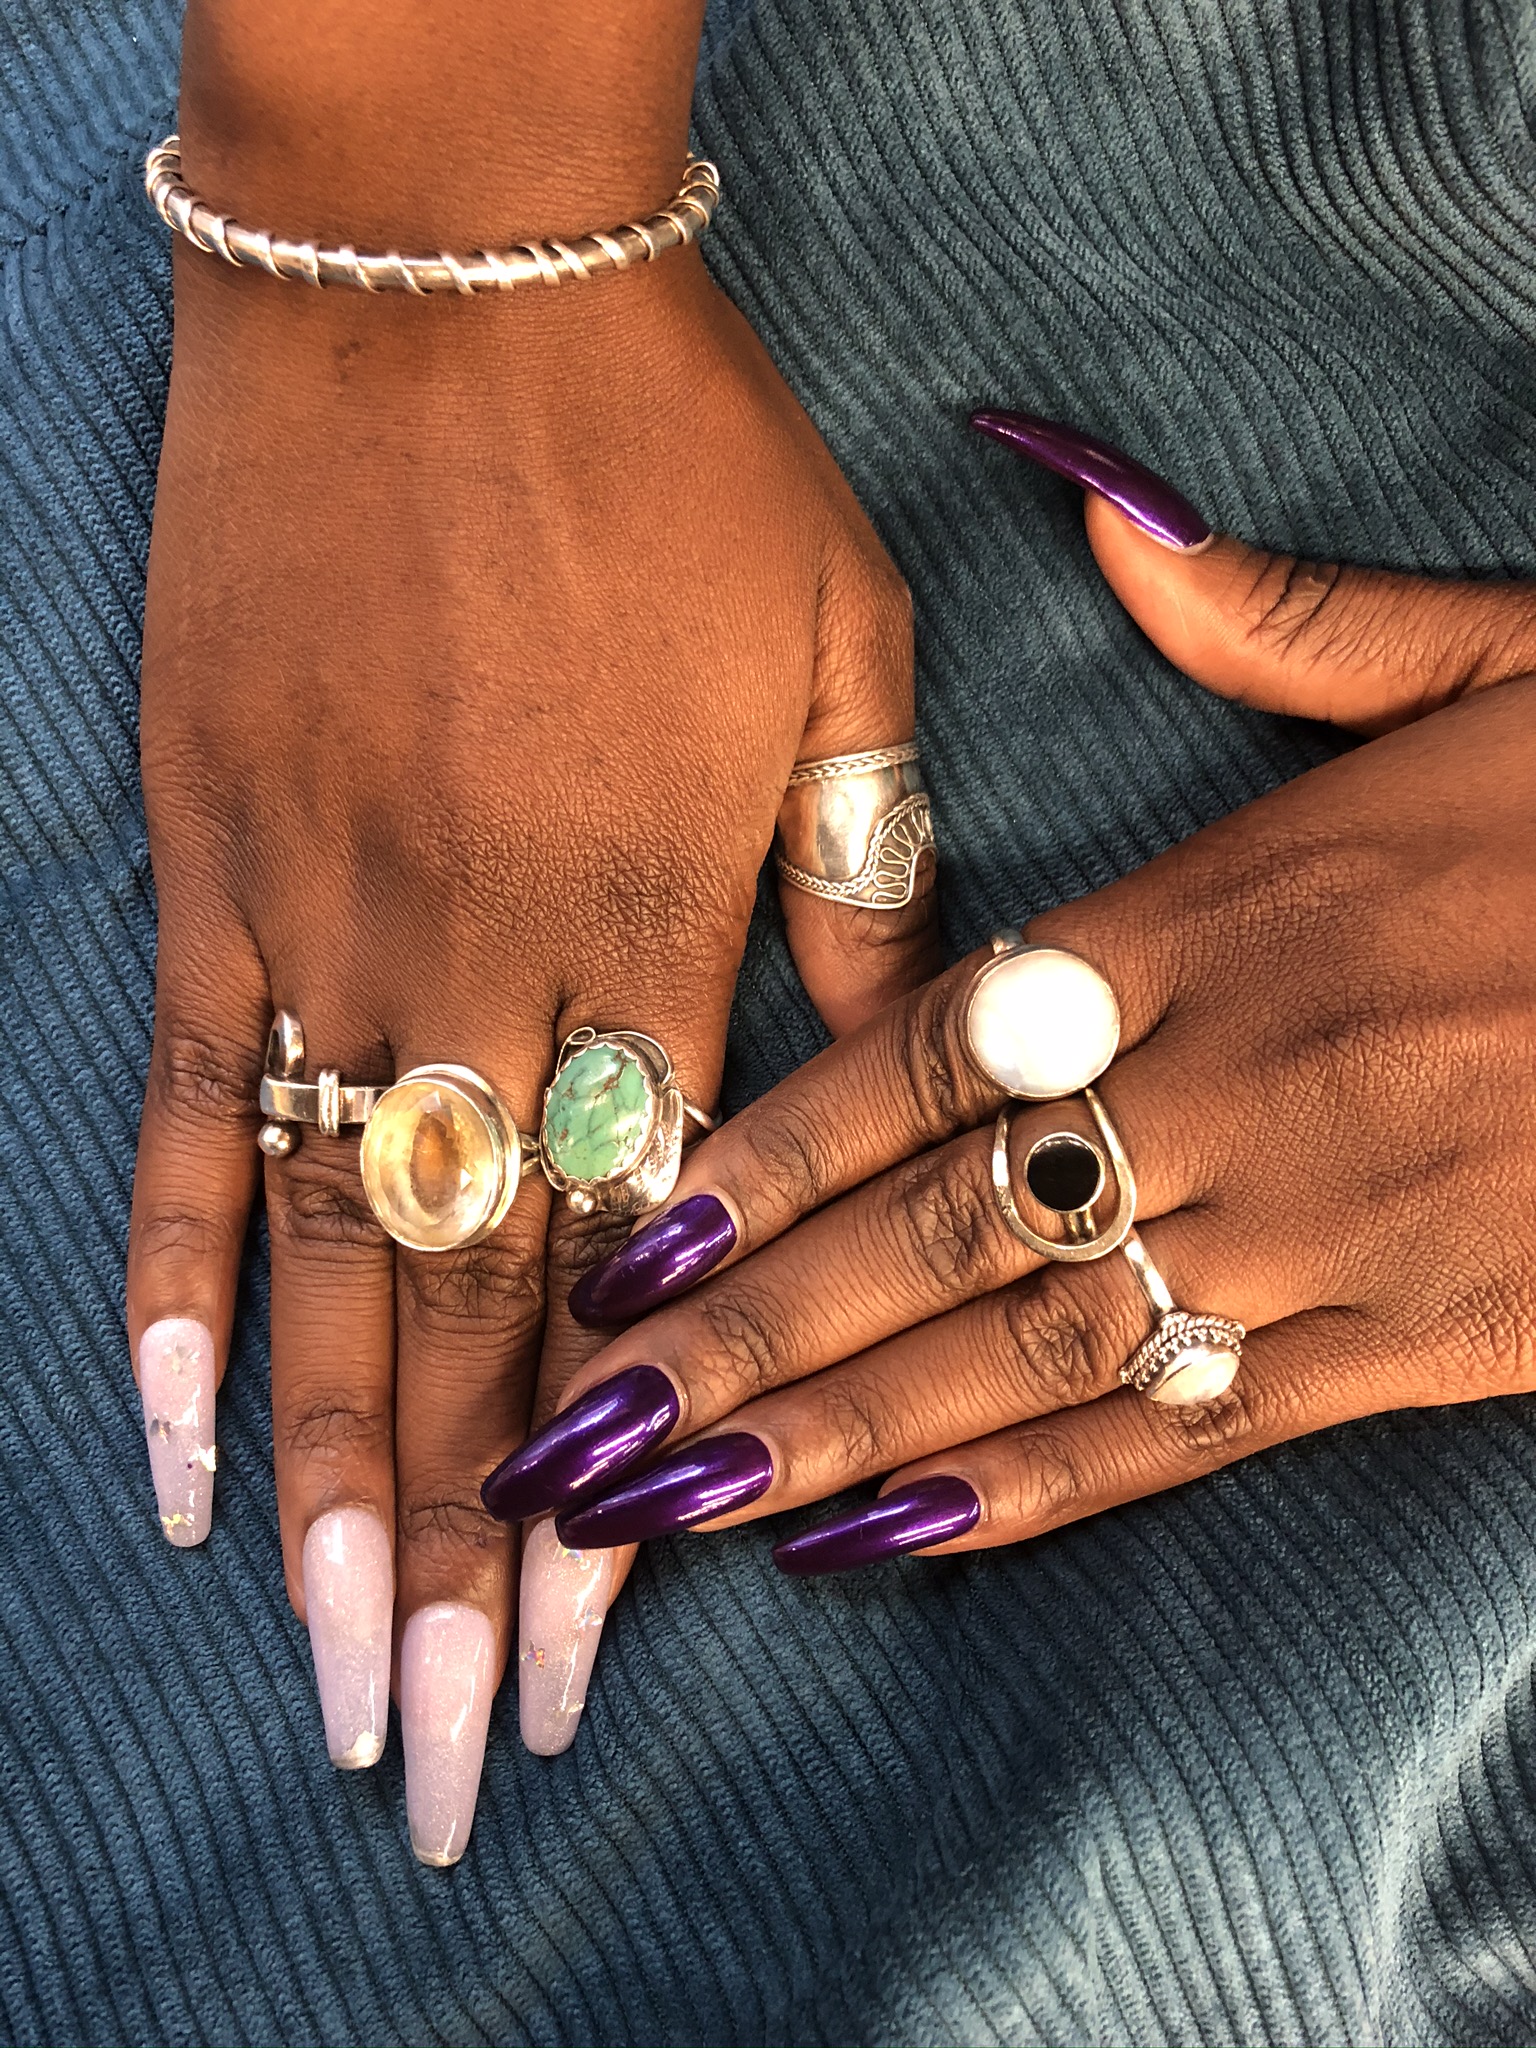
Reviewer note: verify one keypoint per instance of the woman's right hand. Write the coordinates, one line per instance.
(480, 641)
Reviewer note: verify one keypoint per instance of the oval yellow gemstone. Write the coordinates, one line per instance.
(434, 1167)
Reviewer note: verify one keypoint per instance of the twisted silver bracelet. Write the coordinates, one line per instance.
(550, 261)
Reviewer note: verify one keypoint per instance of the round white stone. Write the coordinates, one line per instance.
(1202, 1373)
(1042, 1023)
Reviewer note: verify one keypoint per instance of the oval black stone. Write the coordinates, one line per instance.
(1064, 1173)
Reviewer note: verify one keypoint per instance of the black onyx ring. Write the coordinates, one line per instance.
(1066, 1174)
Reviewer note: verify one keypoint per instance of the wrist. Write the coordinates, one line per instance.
(473, 122)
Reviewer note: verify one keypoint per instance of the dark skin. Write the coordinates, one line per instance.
(481, 639)
(1324, 1083)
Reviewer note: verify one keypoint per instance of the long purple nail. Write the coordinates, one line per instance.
(659, 1261)
(692, 1485)
(597, 1437)
(928, 1511)
(1156, 507)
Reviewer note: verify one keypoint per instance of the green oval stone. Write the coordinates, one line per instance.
(595, 1119)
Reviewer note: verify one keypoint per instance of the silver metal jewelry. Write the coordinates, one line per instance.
(442, 1158)
(853, 827)
(1190, 1356)
(551, 262)
(1040, 1022)
(1066, 1172)
(611, 1136)
(289, 1103)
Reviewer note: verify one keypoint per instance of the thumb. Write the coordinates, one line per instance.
(1369, 649)
(853, 957)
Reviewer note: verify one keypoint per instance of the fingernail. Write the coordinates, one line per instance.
(1156, 507)
(928, 1511)
(176, 1383)
(703, 1480)
(597, 1437)
(349, 1596)
(660, 1260)
(446, 1661)
(564, 1599)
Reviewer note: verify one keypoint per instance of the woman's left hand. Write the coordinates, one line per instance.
(1324, 1084)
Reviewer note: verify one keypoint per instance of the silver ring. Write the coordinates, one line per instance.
(1066, 1172)
(1190, 1356)
(442, 1158)
(853, 827)
(611, 1135)
(288, 1103)
(1039, 1022)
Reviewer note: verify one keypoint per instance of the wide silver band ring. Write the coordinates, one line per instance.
(1190, 1357)
(853, 827)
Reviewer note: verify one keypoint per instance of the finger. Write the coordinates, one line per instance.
(892, 1254)
(901, 1083)
(855, 959)
(333, 1371)
(193, 1184)
(1053, 1341)
(1306, 1373)
(467, 1336)
(565, 1592)
(913, 1244)
(1365, 648)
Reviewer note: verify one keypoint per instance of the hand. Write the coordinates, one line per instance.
(480, 640)
(1323, 1085)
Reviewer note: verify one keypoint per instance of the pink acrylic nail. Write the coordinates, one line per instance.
(176, 1383)
(349, 1597)
(565, 1596)
(447, 1664)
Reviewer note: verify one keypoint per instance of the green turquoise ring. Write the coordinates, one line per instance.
(612, 1135)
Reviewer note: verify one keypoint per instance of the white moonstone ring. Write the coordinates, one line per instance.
(1040, 1022)
(1189, 1357)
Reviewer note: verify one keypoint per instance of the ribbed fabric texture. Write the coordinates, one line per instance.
(1251, 1763)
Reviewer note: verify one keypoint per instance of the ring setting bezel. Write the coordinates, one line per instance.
(645, 1168)
(508, 1156)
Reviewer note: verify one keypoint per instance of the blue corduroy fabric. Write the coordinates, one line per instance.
(1250, 1763)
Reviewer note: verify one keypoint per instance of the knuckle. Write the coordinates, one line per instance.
(171, 1232)
(332, 1425)
(946, 1220)
(195, 1075)
(496, 1284)
(792, 1160)
(578, 1243)
(1292, 608)
(317, 1205)
(854, 1428)
(1054, 1347)
(446, 1521)
(1493, 1334)
(746, 1337)
(1209, 1432)
(928, 1051)
(1049, 1486)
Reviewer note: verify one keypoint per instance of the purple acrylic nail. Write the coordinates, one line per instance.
(928, 1511)
(1156, 507)
(660, 1260)
(692, 1485)
(600, 1435)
